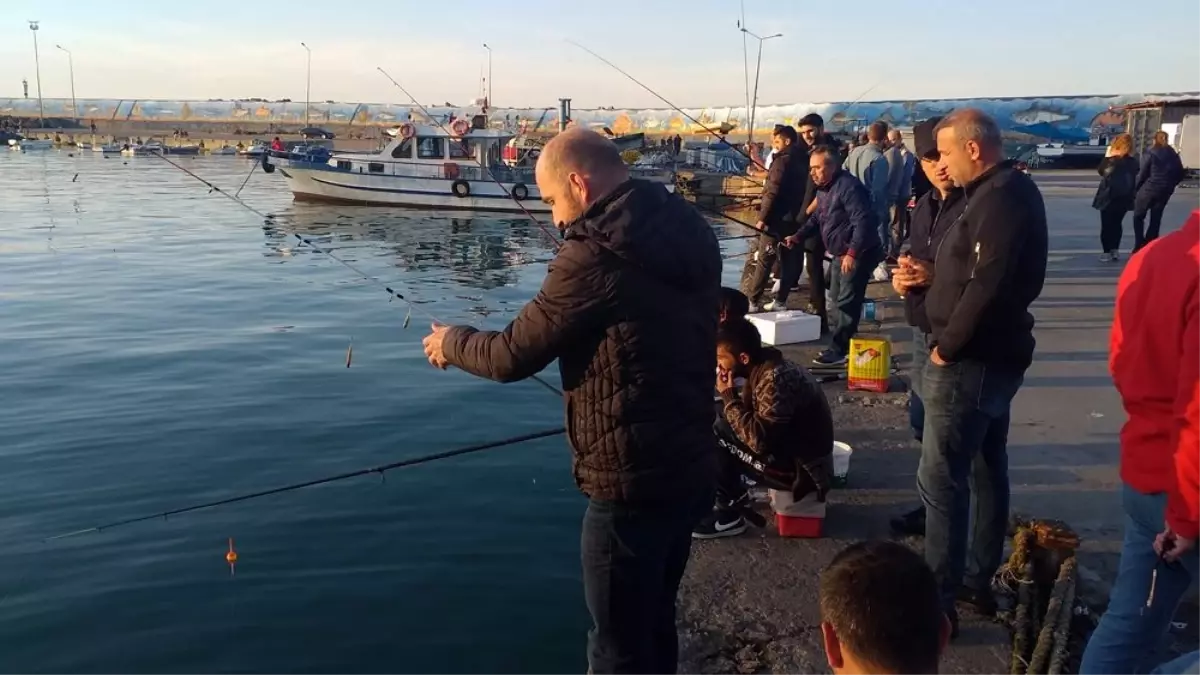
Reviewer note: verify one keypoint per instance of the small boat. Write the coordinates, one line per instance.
(459, 166)
(107, 148)
(189, 150)
(28, 144)
(140, 149)
(224, 150)
(258, 149)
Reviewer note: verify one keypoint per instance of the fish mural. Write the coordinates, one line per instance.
(1071, 114)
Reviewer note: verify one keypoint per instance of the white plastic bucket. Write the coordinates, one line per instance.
(841, 461)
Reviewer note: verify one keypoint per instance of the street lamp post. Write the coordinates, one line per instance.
(37, 64)
(489, 80)
(307, 84)
(71, 66)
(757, 70)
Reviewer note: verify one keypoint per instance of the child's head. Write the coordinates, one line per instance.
(880, 611)
(733, 303)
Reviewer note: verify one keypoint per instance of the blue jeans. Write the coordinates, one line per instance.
(1129, 632)
(920, 357)
(634, 557)
(849, 291)
(964, 454)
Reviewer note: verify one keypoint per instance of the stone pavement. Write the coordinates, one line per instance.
(749, 604)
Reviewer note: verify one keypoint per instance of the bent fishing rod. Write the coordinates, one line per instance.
(308, 242)
(380, 470)
(482, 169)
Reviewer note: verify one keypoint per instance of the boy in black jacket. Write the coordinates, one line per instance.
(988, 269)
(778, 215)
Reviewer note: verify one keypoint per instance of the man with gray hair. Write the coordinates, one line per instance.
(990, 267)
(629, 308)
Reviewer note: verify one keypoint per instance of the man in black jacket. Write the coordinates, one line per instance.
(782, 195)
(1161, 170)
(988, 269)
(629, 308)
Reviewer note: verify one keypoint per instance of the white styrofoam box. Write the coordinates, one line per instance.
(785, 328)
(808, 507)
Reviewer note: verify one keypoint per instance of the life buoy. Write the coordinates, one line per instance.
(461, 189)
(460, 127)
(267, 166)
(520, 192)
(407, 131)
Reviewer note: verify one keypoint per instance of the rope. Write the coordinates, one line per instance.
(1062, 634)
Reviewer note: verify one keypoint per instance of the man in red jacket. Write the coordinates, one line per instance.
(1155, 363)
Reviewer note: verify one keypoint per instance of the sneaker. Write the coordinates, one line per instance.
(881, 273)
(981, 602)
(1106, 257)
(775, 306)
(830, 357)
(720, 523)
(911, 523)
(1114, 255)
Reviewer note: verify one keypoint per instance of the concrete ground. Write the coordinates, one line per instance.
(749, 604)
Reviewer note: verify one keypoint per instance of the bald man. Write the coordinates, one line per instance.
(629, 308)
(989, 268)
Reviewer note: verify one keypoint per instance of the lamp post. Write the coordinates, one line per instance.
(71, 66)
(307, 84)
(37, 64)
(757, 70)
(489, 80)
(746, 65)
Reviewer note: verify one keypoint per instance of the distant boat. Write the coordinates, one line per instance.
(224, 150)
(256, 150)
(28, 144)
(107, 148)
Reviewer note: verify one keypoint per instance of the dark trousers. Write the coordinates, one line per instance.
(964, 454)
(735, 460)
(1144, 203)
(634, 557)
(920, 357)
(1110, 226)
(791, 264)
(758, 268)
(899, 213)
(849, 291)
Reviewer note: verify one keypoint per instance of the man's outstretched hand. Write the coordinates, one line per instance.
(434, 350)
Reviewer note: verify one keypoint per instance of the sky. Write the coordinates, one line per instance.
(688, 52)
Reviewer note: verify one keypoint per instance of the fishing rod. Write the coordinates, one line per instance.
(483, 169)
(380, 470)
(391, 291)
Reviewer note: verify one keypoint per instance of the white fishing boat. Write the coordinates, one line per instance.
(224, 150)
(28, 144)
(107, 148)
(258, 149)
(141, 149)
(458, 166)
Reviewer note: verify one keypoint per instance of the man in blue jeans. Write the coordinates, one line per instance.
(849, 227)
(988, 269)
(1154, 357)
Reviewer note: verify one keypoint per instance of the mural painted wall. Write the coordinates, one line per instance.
(1074, 115)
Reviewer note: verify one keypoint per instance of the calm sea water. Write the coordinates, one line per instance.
(160, 346)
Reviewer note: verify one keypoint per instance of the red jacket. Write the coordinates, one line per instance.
(1155, 363)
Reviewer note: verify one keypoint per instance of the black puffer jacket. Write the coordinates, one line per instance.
(629, 307)
(783, 192)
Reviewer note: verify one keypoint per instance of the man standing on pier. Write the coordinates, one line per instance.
(629, 308)
(783, 193)
(849, 227)
(989, 268)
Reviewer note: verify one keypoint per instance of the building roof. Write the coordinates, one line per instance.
(1184, 102)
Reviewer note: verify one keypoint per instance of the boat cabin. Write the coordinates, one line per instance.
(450, 151)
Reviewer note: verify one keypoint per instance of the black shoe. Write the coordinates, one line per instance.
(953, 616)
(720, 523)
(982, 602)
(911, 523)
(830, 357)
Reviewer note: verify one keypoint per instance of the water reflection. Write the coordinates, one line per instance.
(425, 246)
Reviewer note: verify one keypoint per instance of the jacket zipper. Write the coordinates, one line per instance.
(974, 266)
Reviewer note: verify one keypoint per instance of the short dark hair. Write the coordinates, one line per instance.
(811, 120)
(784, 131)
(740, 336)
(733, 303)
(882, 601)
(877, 131)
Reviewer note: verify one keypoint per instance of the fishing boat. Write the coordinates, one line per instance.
(461, 167)
(224, 150)
(258, 149)
(106, 148)
(28, 144)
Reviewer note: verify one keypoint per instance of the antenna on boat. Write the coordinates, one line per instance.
(484, 170)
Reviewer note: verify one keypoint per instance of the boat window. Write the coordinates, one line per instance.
(430, 147)
(404, 150)
(375, 167)
(461, 149)
(343, 164)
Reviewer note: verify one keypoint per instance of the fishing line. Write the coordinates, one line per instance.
(380, 470)
(483, 169)
(395, 294)
(253, 166)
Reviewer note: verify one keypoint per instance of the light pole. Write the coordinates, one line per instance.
(37, 64)
(71, 66)
(489, 80)
(307, 84)
(757, 70)
(746, 65)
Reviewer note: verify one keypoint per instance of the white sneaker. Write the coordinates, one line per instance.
(881, 273)
(774, 306)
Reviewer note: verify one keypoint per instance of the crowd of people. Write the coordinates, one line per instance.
(649, 343)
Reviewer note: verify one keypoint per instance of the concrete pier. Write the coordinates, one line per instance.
(749, 604)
